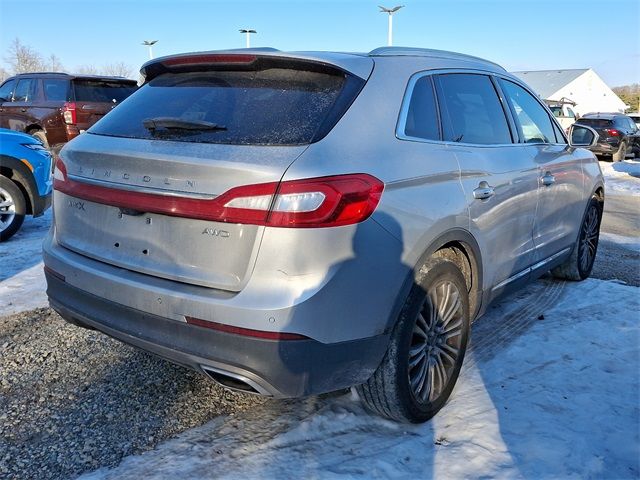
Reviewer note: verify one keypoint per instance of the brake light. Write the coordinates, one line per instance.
(69, 113)
(612, 132)
(208, 59)
(315, 202)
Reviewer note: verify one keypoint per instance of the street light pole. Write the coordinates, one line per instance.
(248, 33)
(390, 12)
(150, 44)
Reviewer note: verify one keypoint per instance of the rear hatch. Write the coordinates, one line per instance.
(600, 125)
(145, 188)
(95, 97)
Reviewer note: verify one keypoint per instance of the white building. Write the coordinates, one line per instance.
(582, 86)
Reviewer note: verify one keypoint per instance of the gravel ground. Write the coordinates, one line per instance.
(73, 400)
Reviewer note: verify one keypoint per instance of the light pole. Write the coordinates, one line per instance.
(248, 33)
(390, 11)
(150, 44)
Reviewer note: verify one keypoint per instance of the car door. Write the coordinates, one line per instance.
(17, 112)
(561, 200)
(498, 176)
(6, 93)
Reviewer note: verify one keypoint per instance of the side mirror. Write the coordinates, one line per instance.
(582, 136)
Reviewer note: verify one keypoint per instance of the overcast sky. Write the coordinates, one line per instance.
(518, 34)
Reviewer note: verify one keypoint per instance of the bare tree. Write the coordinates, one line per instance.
(87, 70)
(119, 69)
(4, 74)
(53, 64)
(23, 58)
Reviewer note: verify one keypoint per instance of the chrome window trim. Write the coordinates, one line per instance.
(408, 93)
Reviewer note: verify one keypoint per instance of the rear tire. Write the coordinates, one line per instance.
(13, 208)
(426, 348)
(579, 265)
(40, 135)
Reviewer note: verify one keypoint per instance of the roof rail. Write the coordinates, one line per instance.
(426, 52)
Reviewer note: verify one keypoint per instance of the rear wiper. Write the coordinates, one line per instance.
(173, 123)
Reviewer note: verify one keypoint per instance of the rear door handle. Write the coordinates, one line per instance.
(23, 109)
(483, 191)
(548, 179)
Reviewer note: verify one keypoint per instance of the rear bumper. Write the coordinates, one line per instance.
(285, 369)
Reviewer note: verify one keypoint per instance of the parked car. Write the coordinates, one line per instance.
(618, 134)
(636, 118)
(294, 223)
(25, 180)
(56, 107)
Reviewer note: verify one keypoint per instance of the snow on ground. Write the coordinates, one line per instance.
(22, 284)
(557, 397)
(621, 177)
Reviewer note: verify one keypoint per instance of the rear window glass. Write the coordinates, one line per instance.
(422, 116)
(6, 90)
(101, 91)
(471, 110)
(56, 90)
(274, 106)
(595, 122)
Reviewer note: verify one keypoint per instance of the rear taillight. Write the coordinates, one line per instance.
(612, 132)
(69, 113)
(314, 202)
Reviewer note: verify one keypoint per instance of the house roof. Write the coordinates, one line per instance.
(547, 82)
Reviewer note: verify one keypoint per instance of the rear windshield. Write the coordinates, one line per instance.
(274, 106)
(595, 122)
(101, 91)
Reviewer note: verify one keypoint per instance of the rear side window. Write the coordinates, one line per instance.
(274, 106)
(530, 114)
(101, 91)
(6, 90)
(55, 90)
(422, 116)
(25, 90)
(595, 122)
(471, 110)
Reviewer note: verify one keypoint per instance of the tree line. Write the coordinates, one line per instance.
(629, 94)
(21, 58)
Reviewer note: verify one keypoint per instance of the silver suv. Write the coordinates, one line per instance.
(295, 223)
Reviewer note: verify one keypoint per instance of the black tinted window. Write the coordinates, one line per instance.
(56, 90)
(422, 117)
(596, 122)
(471, 110)
(530, 114)
(100, 91)
(275, 106)
(6, 90)
(25, 90)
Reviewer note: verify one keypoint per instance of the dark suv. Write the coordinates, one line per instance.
(56, 107)
(619, 135)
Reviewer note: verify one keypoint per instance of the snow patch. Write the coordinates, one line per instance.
(621, 177)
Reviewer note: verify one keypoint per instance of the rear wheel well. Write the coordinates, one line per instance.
(599, 194)
(463, 257)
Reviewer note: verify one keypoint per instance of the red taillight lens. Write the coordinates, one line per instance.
(612, 132)
(69, 113)
(208, 59)
(314, 202)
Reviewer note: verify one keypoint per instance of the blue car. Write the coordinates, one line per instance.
(25, 180)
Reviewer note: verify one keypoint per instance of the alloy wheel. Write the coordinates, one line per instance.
(589, 239)
(7, 209)
(436, 342)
